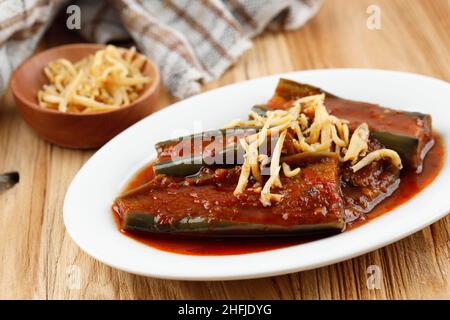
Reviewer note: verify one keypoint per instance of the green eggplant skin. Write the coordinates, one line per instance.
(179, 168)
(289, 89)
(405, 146)
(203, 226)
(260, 109)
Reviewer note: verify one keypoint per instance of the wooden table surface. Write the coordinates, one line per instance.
(40, 261)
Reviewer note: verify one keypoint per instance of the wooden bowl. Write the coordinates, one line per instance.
(72, 130)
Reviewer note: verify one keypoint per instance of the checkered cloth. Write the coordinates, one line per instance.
(192, 41)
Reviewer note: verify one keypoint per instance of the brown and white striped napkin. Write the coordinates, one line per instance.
(192, 41)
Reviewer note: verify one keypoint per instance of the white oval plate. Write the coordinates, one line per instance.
(89, 221)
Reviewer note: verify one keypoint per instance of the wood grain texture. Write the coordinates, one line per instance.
(38, 260)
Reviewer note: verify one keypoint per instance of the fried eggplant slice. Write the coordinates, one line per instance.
(202, 143)
(204, 205)
(408, 133)
(186, 155)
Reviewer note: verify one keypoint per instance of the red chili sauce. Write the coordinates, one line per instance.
(410, 185)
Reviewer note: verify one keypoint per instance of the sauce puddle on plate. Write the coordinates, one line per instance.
(411, 184)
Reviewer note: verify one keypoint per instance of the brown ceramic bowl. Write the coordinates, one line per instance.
(81, 131)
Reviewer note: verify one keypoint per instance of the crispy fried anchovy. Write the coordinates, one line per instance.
(8, 180)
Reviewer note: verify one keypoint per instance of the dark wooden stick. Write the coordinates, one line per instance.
(8, 180)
